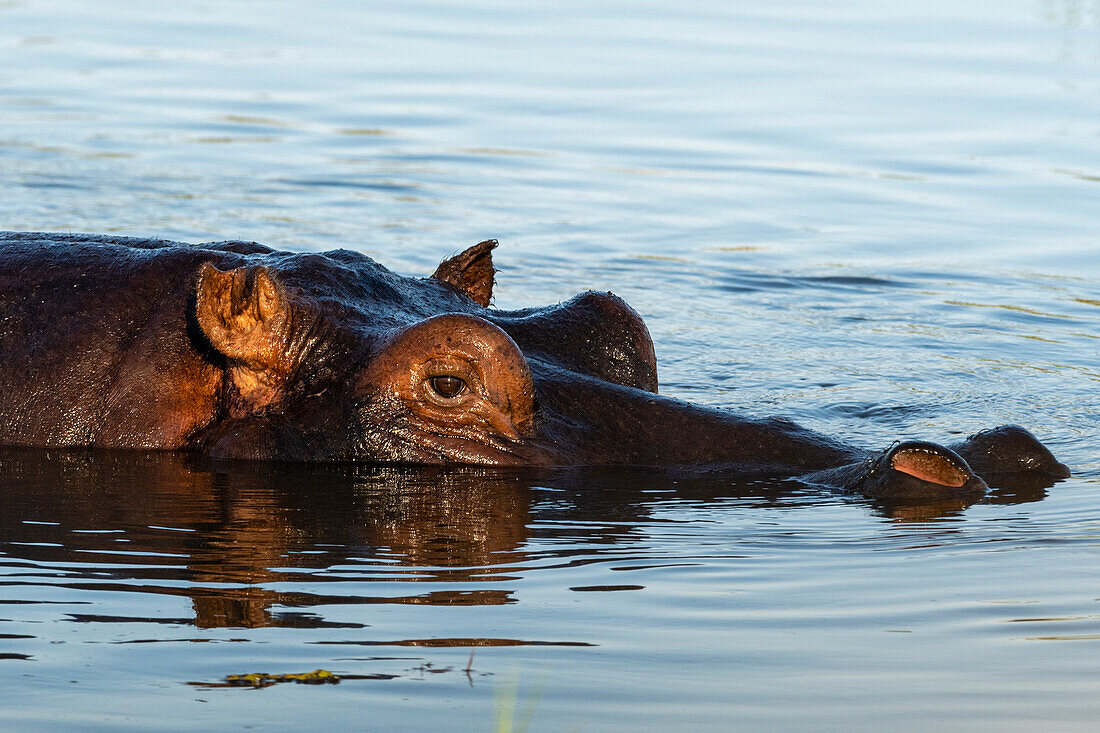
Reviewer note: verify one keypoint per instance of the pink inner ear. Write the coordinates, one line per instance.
(929, 467)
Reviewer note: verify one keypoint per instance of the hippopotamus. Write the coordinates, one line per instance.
(236, 351)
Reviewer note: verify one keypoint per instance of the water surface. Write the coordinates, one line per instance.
(878, 219)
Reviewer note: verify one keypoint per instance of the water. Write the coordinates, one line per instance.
(879, 219)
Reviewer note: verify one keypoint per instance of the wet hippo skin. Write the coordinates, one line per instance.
(233, 350)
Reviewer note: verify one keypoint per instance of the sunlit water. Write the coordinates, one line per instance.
(879, 219)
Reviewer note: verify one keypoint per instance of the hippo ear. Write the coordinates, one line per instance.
(245, 315)
(471, 272)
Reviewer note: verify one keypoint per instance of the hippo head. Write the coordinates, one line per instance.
(333, 357)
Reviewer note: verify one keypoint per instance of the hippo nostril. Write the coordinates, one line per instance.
(1009, 449)
(930, 463)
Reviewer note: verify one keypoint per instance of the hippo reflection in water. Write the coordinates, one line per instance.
(236, 351)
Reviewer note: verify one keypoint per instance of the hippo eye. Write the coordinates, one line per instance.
(447, 387)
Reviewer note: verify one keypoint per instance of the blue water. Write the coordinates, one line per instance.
(880, 219)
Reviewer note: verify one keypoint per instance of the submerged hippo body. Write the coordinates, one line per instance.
(236, 351)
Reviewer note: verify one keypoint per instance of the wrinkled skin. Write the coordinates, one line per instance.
(236, 351)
